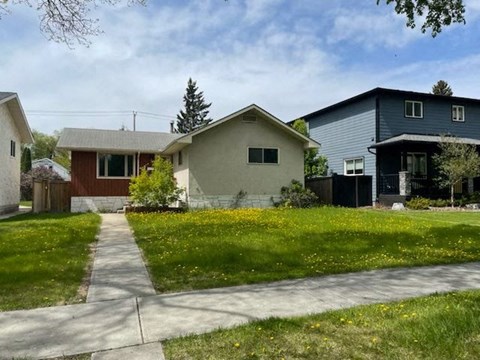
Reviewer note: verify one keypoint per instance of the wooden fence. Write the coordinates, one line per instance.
(51, 196)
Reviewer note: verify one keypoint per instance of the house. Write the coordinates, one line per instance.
(52, 165)
(392, 135)
(248, 152)
(15, 131)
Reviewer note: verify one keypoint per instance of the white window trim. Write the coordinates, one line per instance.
(354, 162)
(463, 113)
(263, 147)
(414, 116)
(126, 166)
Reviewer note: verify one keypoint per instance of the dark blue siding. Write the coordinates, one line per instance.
(437, 118)
(346, 133)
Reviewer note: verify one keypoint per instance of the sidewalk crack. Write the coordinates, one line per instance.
(139, 320)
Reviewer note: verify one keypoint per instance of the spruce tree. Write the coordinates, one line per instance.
(442, 88)
(26, 160)
(194, 116)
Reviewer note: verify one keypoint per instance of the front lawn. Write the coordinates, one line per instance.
(434, 327)
(43, 258)
(206, 249)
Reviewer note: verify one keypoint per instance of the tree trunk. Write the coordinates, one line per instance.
(452, 195)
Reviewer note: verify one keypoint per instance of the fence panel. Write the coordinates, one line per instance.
(51, 196)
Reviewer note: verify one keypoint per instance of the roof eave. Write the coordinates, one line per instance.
(16, 110)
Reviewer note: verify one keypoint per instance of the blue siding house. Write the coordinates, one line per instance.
(388, 133)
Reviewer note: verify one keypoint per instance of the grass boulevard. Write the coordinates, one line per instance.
(45, 257)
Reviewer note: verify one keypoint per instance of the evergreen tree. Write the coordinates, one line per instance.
(442, 88)
(195, 114)
(26, 160)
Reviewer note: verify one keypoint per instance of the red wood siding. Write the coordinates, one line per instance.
(84, 176)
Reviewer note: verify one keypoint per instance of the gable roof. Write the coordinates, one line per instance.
(384, 91)
(186, 139)
(114, 140)
(15, 107)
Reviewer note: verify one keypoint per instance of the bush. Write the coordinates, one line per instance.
(418, 203)
(297, 196)
(439, 203)
(157, 189)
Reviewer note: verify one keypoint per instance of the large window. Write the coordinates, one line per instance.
(262, 155)
(413, 109)
(115, 165)
(458, 113)
(354, 166)
(417, 164)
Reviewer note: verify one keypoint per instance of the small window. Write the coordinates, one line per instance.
(12, 148)
(180, 158)
(262, 156)
(115, 165)
(354, 166)
(458, 113)
(413, 109)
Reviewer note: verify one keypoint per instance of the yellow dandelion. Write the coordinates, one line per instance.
(237, 345)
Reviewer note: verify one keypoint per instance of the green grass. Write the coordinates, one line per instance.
(26, 203)
(207, 249)
(435, 327)
(43, 258)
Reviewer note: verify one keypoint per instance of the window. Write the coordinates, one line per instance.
(262, 156)
(354, 166)
(180, 158)
(115, 165)
(417, 164)
(413, 109)
(12, 148)
(458, 113)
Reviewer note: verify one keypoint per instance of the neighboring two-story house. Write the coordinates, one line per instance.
(392, 135)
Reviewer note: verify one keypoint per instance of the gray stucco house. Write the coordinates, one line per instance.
(392, 134)
(14, 132)
(250, 151)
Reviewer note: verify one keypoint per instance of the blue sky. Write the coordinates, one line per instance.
(289, 57)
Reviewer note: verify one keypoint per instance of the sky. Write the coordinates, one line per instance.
(291, 57)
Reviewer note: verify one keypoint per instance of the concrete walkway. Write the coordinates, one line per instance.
(118, 268)
(74, 329)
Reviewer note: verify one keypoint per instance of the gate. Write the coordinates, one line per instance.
(341, 190)
(51, 196)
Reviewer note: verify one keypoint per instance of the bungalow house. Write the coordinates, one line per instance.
(15, 131)
(392, 135)
(249, 151)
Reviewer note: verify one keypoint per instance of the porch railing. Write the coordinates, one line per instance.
(389, 184)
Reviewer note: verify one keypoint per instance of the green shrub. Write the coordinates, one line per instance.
(296, 196)
(418, 203)
(157, 189)
(439, 203)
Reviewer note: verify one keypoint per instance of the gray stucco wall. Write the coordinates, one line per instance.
(218, 160)
(10, 172)
(346, 133)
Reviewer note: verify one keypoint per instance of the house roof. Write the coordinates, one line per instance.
(114, 140)
(15, 107)
(384, 91)
(404, 138)
(183, 141)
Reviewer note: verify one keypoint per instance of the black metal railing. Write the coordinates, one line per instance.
(389, 184)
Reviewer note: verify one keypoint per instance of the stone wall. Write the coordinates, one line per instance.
(231, 201)
(97, 203)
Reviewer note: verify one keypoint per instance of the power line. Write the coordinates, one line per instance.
(98, 113)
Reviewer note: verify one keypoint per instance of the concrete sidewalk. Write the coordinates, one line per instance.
(118, 268)
(75, 329)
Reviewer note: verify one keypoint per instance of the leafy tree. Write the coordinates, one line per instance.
(315, 165)
(45, 147)
(442, 88)
(456, 161)
(26, 160)
(437, 13)
(65, 21)
(155, 189)
(196, 110)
